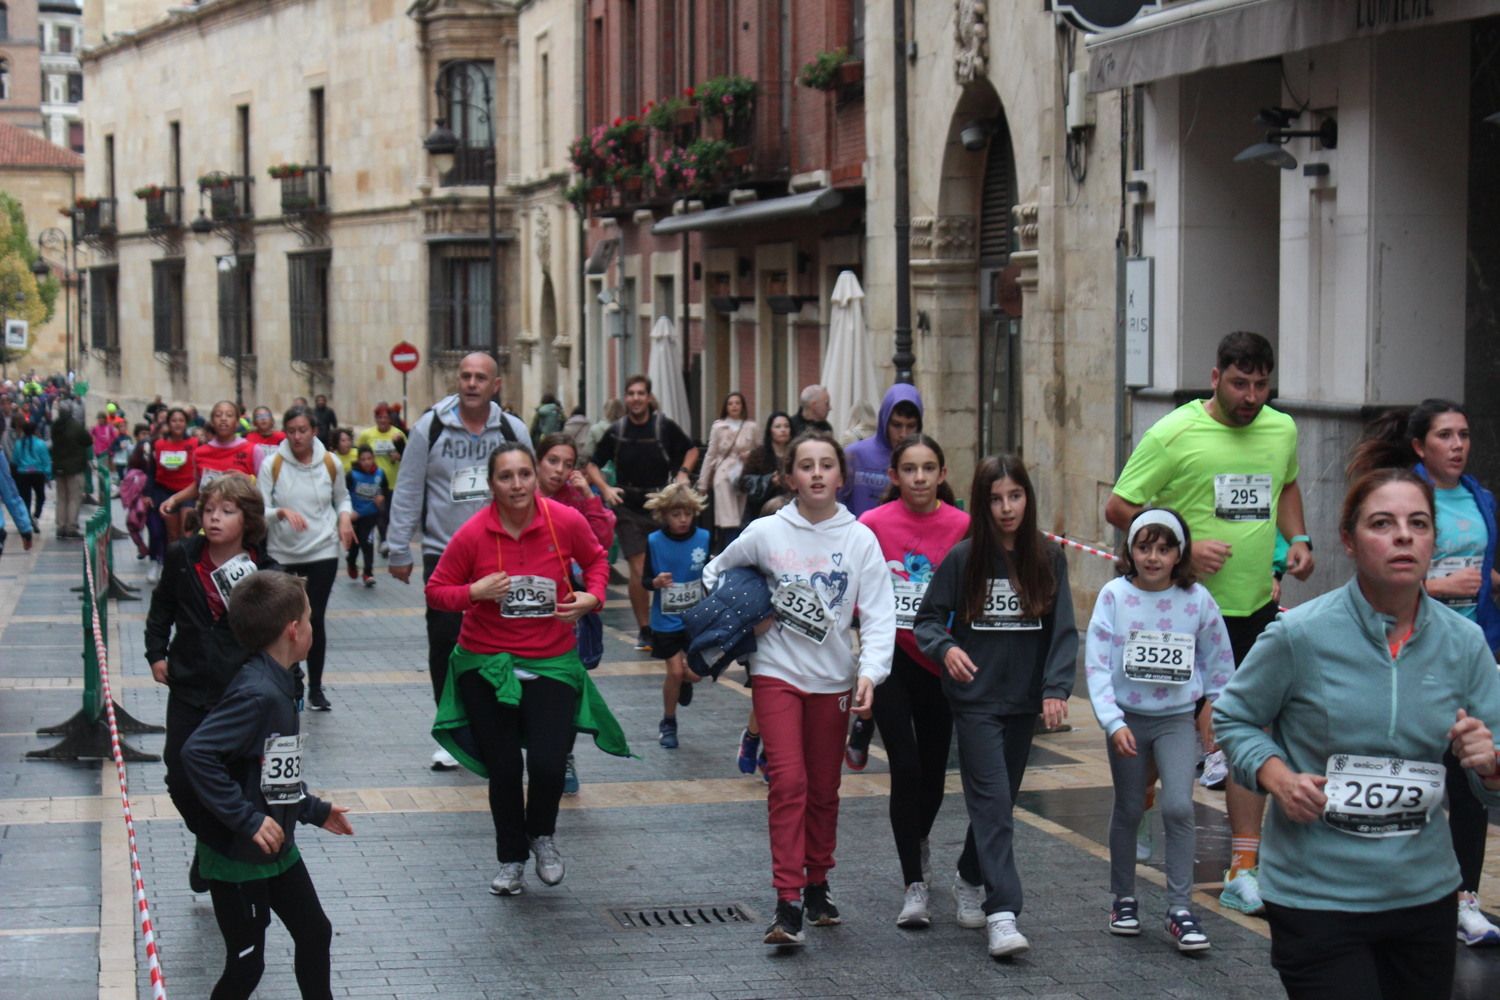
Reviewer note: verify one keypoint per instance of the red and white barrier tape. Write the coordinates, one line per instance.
(1059, 539)
(101, 650)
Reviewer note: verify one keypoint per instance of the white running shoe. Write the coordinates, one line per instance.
(1215, 771)
(549, 863)
(511, 880)
(1473, 927)
(914, 912)
(1005, 940)
(442, 760)
(970, 900)
(153, 572)
(1243, 892)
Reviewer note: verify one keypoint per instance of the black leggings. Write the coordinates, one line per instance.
(442, 635)
(319, 576)
(243, 910)
(544, 723)
(916, 728)
(1405, 954)
(33, 489)
(364, 543)
(182, 719)
(1468, 824)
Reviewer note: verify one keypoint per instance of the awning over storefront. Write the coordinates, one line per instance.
(806, 203)
(1203, 34)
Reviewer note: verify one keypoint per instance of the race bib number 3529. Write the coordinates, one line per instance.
(799, 608)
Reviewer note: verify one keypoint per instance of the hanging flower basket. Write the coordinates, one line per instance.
(851, 72)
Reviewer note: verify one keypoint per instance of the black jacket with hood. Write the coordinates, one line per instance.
(223, 757)
(202, 654)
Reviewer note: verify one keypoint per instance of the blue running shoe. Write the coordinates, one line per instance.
(749, 751)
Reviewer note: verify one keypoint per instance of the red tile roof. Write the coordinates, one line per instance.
(20, 148)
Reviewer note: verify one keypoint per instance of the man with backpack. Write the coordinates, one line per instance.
(649, 451)
(444, 481)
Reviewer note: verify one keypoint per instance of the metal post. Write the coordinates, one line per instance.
(494, 164)
(903, 359)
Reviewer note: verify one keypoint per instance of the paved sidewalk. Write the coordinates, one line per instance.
(408, 894)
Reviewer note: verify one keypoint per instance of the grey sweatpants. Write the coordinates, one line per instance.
(1173, 741)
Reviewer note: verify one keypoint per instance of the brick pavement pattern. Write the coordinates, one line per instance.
(408, 894)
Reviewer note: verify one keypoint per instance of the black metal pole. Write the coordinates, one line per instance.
(903, 359)
(494, 264)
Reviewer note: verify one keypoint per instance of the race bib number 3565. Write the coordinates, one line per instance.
(1002, 611)
(908, 599)
(1381, 796)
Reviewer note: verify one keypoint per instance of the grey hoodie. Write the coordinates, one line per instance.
(451, 482)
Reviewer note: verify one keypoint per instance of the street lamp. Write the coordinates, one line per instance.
(56, 240)
(455, 90)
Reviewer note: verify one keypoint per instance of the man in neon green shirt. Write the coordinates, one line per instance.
(1228, 465)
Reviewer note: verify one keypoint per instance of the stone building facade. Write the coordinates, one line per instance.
(744, 262)
(273, 234)
(20, 65)
(44, 178)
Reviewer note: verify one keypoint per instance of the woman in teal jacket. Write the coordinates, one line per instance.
(1342, 713)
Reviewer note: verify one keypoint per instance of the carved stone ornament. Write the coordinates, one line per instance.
(971, 32)
(943, 237)
(544, 240)
(1028, 224)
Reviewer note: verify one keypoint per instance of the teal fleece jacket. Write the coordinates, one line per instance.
(1322, 679)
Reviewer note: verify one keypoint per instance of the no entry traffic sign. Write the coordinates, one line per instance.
(404, 357)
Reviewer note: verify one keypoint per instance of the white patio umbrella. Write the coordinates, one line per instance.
(849, 371)
(665, 373)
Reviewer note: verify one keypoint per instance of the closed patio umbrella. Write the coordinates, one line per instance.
(665, 373)
(849, 371)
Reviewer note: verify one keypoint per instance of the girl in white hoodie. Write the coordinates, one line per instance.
(821, 564)
(311, 523)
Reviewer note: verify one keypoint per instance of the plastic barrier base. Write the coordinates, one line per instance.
(88, 739)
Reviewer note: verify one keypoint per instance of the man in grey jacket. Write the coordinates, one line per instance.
(444, 481)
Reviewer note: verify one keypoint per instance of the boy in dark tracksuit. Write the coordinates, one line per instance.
(369, 493)
(245, 764)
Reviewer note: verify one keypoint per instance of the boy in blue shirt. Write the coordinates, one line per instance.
(673, 572)
(369, 494)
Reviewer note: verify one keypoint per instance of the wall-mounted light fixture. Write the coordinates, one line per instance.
(1272, 149)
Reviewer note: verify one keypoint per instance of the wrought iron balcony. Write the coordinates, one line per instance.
(163, 209)
(471, 165)
(94, 218)
(228, 197)
(305, 191)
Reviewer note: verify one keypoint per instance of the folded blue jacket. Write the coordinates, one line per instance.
(721, 627)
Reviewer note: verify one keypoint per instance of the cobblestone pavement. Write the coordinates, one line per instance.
(408, 894)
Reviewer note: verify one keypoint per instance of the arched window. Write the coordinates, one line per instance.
(4, 79)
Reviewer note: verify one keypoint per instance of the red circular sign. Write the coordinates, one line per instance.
(404, 357)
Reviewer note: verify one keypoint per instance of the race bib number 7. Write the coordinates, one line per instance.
(469, 485)
(1381, 796)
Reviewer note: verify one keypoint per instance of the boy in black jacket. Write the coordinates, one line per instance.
(245, 764)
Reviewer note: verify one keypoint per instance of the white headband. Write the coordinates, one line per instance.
(1155, 515)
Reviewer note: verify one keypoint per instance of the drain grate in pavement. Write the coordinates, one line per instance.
(641, 918)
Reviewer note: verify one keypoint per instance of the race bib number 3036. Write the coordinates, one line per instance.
(529, 597)
(1381, 796)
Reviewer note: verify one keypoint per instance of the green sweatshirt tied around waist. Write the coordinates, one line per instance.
(592, 715)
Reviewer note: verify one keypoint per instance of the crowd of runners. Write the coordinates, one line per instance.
(1350, 733)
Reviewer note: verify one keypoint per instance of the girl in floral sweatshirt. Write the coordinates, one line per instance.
(1156, 647)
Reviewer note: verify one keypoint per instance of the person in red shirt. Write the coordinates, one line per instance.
(515, 678)
(172, 471)
(224, 452)
(265, 437)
